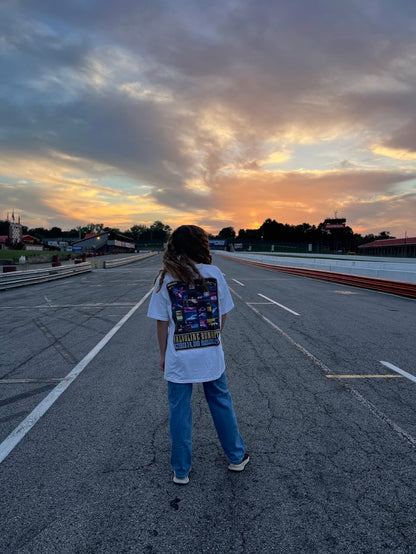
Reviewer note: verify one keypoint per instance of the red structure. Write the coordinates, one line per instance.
(405, 247)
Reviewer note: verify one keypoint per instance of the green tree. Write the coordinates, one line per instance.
(38, 232)
(160, 231)
(227, 233)
(140, 233)
(115, 230)
(4, 227)
(95, 228)
(273, 231)
(383, 235)
(72, 233)
(55, 232)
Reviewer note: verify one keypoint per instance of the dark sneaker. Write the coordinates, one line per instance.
(241, 465)
(180, 480)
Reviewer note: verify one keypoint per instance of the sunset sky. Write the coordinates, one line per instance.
(212, 112)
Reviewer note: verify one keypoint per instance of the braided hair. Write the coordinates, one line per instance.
(187, 246)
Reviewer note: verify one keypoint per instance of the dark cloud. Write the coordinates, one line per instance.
(404, 137)
(169, 93)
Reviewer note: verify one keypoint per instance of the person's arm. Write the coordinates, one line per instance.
(223, 318)
(224, 296)
(162, 337)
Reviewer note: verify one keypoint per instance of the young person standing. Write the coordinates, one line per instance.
(190, 302)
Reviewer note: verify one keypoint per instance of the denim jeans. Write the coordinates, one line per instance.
(180, 422)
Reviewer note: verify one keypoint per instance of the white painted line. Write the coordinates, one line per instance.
(277, 304)
(340, 376)
(238, 283)
(30, 381)
(401, 371)
(369, 405)
(95, 305)
(21, 430)
(345, 292)
(298, 346)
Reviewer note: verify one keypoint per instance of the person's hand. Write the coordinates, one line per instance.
(162, 363)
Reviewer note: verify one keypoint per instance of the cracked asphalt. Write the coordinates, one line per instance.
(331, 431)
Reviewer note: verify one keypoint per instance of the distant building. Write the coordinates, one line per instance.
(335, 223)
(31, 243)
(15, 229)
(405, 247)
(15, 233)
(218, 244)
(104, 242)
(28, 239)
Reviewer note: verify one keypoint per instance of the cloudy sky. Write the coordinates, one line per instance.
(213, 112)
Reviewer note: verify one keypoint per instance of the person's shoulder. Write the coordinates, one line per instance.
(213, 271)
(209, 268)
(166, 279)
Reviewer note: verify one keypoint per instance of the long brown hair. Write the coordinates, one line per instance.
(188, 245)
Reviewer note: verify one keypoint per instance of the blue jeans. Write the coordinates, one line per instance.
(180, 422)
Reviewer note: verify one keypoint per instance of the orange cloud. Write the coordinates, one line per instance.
(304, 196)
(58, 189)
(394, 153)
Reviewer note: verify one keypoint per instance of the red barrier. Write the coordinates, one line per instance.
(9, 268)
(384, 285)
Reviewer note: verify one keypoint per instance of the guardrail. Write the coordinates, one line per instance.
(34, 276)
(384, 285)
(123, 261)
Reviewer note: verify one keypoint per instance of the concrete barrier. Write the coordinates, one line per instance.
(129, 260)
(403, 270)
(34, 276)
(392, 286)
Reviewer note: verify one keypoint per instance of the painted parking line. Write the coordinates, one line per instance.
(326, 370)
(339, 376)
(21, 430)
(62, 306)
(238, 283)
(31, 381)
(277, 304)
(401, 371)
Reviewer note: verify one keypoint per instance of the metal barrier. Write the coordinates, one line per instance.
(123, 261)
(34, 276)
(384, 285)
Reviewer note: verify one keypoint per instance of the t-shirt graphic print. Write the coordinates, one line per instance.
(195, 313)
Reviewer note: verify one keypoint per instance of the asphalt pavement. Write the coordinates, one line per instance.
(331, 431)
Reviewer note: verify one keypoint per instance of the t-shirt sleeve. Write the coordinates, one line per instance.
(226, 301)
(159, 305)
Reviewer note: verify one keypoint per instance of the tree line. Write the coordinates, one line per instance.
(271, 231)
(156, 232)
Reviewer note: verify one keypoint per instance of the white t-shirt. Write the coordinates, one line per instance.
(194, 352)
